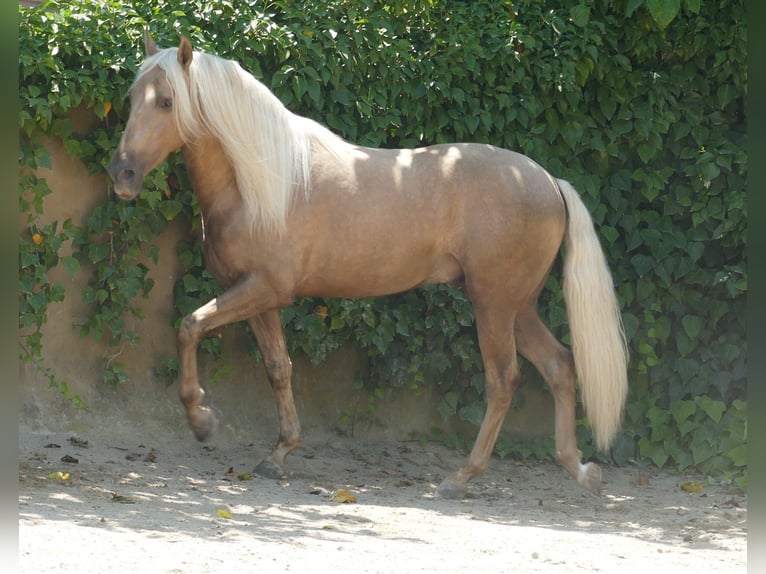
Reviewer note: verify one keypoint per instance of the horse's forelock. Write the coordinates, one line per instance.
(186, 112)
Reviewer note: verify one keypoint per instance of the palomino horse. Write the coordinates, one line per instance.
(290, 210)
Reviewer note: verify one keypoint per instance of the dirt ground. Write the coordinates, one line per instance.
(173, 506)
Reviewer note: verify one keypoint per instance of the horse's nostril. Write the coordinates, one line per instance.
(125, 175)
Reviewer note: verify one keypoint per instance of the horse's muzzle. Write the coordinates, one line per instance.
(127, 183)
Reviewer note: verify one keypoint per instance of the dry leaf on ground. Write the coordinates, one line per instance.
(344, 496)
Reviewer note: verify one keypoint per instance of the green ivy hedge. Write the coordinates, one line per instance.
(639, 103)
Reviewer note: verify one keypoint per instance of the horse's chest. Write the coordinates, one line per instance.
(224, 271)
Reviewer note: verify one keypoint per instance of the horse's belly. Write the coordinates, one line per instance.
(373, 277)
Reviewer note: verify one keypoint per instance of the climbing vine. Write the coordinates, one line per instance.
(639, 103)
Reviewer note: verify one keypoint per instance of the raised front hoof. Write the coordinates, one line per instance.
(590, 477)
(451, 490)
(268, 469)
(202, 423)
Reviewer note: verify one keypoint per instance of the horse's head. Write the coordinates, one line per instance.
(151, 133)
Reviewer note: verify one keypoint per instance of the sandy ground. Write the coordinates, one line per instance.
(172, 506)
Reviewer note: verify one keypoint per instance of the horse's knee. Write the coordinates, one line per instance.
(500, 390)
(189, 333)
(279, 371)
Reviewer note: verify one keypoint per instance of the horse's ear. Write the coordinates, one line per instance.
(149, 46)
(185, 52)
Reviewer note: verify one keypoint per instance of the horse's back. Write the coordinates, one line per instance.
(443, 175)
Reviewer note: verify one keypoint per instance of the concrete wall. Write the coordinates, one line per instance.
(326, 398)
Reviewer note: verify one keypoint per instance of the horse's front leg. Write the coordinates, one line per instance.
(267, 329)
(245, 299)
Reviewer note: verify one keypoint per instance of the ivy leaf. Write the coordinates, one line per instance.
(472, 413)
(693, 5)
(607, 102)
(70, 265)
(580, 15)
(702, 451)
(632, 6)
(692, 325)
(448, 405)
(630, 323)
(713, 409)
(646, 153)
(738, 455)
(663, 11)
(682, 410)
(654, 451)
(710, 171)
(643, 264)
(169, 208)
(726, 93)
(28, 259)
(43, 158)
(572, 132)
(624, 448)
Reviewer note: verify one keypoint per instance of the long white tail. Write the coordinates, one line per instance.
(598, 339)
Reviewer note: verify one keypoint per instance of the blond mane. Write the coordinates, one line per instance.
(268, 146)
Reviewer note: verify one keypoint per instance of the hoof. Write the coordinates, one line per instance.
(203, 424)
(589, 476)
(268, 469)
(451, 490)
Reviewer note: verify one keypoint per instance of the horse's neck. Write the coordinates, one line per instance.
(212, 176)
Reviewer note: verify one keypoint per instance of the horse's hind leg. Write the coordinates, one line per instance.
(556, 365)
(501, 371)
(267, 329)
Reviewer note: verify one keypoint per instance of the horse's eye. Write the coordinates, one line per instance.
(166, 103)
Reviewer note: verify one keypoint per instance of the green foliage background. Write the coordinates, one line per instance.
(639, 103)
